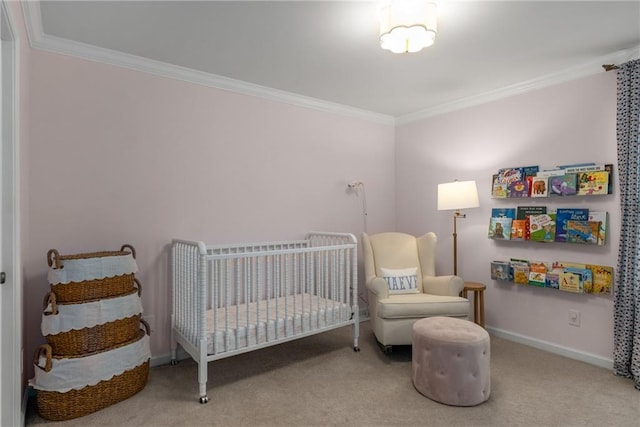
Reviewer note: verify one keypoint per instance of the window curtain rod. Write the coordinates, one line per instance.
(609, 67)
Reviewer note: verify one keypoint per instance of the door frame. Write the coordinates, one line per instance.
(12, 401)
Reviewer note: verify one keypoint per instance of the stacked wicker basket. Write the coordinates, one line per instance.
(96, 353)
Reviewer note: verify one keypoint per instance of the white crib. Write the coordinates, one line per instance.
(231, 299)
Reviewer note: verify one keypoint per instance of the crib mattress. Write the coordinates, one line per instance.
(240, 326)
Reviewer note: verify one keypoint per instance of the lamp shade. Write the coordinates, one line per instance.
(407, 25)
(457, 195)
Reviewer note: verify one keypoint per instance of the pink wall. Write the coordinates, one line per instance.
(568, 123)
(118, 156)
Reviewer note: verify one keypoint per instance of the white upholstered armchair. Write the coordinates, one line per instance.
(403, 287)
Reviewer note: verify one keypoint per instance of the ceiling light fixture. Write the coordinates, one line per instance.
(407, 26)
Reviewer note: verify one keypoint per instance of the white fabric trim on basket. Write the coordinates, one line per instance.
(89, 314)
(76, 373)
(79, 270)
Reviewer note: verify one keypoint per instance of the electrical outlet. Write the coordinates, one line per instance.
(574, 317)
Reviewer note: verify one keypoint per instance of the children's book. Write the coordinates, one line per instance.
(523, 211)
(542, 228)
(582, 167)
(500, 228)
(602, 278)
(503, 213)
(519, 188)
(537, 273)
(530, 170)
(565, 185)
(500, 270)
(539, 187)
(518, 229)
(552, 280)
(499, 189)
(586, 277)
(570, 282)
(561, 265)
(522, 267)
(583, 232)
(565, 214)
(550, 172)
(509, 175)
(603, 217)
(521, 274)
(593, 183)
(609, 168)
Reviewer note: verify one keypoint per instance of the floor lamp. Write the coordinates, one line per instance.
(457, 195)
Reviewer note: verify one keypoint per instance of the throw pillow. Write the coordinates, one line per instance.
(401, 281)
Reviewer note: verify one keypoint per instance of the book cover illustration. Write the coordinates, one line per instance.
(586, 277)
(530, 170)
(537, 273)
(570, 282)
(499, 189)
(602, 278)
(603, 217)
(500, 270)
(519, 188)
(552, 280)
(509, 175)
(542, 228)
(583, 232)
(565, 214)
(500, 228)
(593, 183)
(503, 212)
(565, 185)
(521, 274)
(518, 229)
(539, 187)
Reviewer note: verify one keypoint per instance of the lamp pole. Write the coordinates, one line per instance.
(456, 215)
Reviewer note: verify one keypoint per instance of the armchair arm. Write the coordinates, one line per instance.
(442, 285)
(379, 286)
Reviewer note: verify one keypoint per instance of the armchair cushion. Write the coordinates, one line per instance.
(421, 305)
(401, 281)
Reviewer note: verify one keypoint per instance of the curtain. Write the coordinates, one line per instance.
(626, 358)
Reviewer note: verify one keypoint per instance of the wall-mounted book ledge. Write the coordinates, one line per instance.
(565, 276)
(584, 179)
(543, 224)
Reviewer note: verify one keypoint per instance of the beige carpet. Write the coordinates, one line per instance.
(320, 381)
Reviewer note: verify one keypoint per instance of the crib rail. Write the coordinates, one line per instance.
(237, 296)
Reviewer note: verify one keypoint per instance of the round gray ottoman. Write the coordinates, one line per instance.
(450, 361)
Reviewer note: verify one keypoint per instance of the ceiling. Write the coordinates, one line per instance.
(328, 51)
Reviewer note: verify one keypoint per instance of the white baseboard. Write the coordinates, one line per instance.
(571, 353)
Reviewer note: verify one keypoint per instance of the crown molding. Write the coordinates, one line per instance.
(584, 70)
(39, 40)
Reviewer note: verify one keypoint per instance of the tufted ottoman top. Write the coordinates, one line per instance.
(450, 329)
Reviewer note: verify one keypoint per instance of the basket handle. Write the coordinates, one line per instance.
(146, 326)
(50, 299)
(56, 258)
(137, 282)
(47, 353)
(131, 248)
